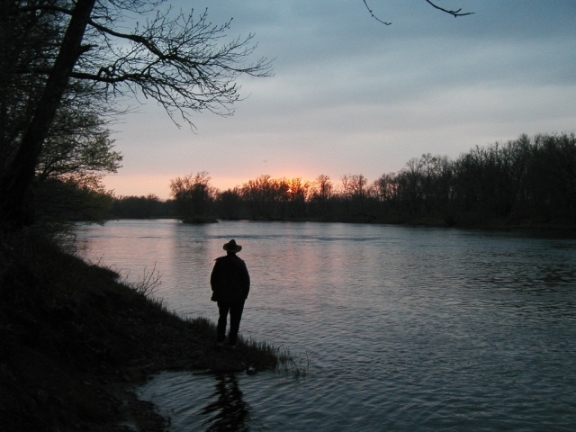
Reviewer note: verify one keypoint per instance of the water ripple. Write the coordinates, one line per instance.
(406, 328)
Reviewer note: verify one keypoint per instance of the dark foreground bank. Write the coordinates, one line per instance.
(75, 343)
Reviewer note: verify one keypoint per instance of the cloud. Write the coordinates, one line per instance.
(352, 95)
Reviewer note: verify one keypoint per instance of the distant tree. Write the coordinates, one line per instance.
(266, 198)
(298, 193)
(142, 207)
(323, 187)
(435, 182)
(488, 180)
(385, 187)
(550, 181)
(527, 179)
(321, 193)
(352, 196)
(411, 188)
(230, 204)
(358, 184)
(385, 190)
(193, 196)
(263, 197)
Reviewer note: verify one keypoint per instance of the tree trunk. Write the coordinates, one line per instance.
(19, 176)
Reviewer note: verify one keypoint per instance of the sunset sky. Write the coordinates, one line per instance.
(352, 96)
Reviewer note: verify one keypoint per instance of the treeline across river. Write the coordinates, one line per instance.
(528, 181)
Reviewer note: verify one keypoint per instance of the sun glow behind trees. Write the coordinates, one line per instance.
(525, 181)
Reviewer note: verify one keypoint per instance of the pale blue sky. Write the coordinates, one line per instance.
(352, 96)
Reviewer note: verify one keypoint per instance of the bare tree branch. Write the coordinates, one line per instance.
(180, 62)
(454, 13)
(374, 16)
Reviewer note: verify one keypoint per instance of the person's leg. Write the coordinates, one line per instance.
(235, 317)
(223, 309)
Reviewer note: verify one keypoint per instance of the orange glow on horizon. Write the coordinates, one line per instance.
(159, 185)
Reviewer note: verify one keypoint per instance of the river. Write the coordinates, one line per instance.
(396, 328)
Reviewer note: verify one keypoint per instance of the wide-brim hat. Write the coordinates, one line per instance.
(231, 246)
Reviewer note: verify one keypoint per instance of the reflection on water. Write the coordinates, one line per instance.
(226, 411)
(201, 401)
(405, 328)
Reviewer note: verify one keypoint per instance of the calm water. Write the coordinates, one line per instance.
(406, 329)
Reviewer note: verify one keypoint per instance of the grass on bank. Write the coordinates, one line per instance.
(278, 355)
(286, 362)
(75, 341)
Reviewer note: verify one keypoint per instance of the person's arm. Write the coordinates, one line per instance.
(214, 280)
(245, 280)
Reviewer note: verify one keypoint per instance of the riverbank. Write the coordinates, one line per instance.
(76, 342)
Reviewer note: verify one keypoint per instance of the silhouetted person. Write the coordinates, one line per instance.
(230, 286)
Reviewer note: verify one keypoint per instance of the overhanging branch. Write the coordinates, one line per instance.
(373, 15)
(455, 13)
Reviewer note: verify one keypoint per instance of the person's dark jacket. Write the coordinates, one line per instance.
(230, 280)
